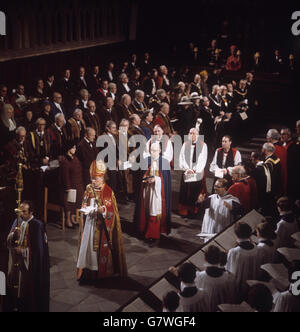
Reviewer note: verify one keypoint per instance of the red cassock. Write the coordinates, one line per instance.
(242, 191)
(153, 226)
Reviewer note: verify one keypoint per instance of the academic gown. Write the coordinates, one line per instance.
(153, 226)
(35, 281)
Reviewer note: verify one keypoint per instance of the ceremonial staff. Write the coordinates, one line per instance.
(15, 275)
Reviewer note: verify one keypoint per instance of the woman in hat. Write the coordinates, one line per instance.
(185, 115)
(101, 253)
(71, 180)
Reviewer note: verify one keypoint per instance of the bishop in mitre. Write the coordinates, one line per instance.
(101, 251)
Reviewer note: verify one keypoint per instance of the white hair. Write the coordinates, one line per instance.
(197, 131)
(273, 134)
(161, 92)
(269, 147)
(139, 93)
(216, 86)
(112, 85)
(83, 92)
(78, 110)
(58, 115)
(123, 75)
(240, 170)
(19, 129)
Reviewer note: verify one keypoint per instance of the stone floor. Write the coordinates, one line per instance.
(145, 265)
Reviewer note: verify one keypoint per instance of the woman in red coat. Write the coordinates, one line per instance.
(71, 180)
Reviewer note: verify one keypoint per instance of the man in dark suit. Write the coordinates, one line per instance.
(50, 86)
(66, 88)
(57, 105)
(109, 74)
(102, 93)
(137, 175)
(146, 65)
(92, 119)
(108, 113)
(112, 133)
(84, 99)
(123, 86)
(95, 80)
(150, 85)
(82, 81)
(87, 153)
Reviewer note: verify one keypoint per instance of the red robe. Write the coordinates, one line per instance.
(242, 191)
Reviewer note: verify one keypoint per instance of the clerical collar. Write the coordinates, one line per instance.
(92, 113)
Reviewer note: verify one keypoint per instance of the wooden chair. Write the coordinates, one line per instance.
(53, 207)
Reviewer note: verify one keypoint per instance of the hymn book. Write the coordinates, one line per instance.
(161, 288)
(138, 306)
(290, 254)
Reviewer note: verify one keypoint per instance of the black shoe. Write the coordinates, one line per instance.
(153, 243)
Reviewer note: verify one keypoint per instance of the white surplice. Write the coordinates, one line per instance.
(152, 192)
(218, 217)
(243, 264)
(287, 302)
(219, 290)
(88, 258)
(200, 164)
